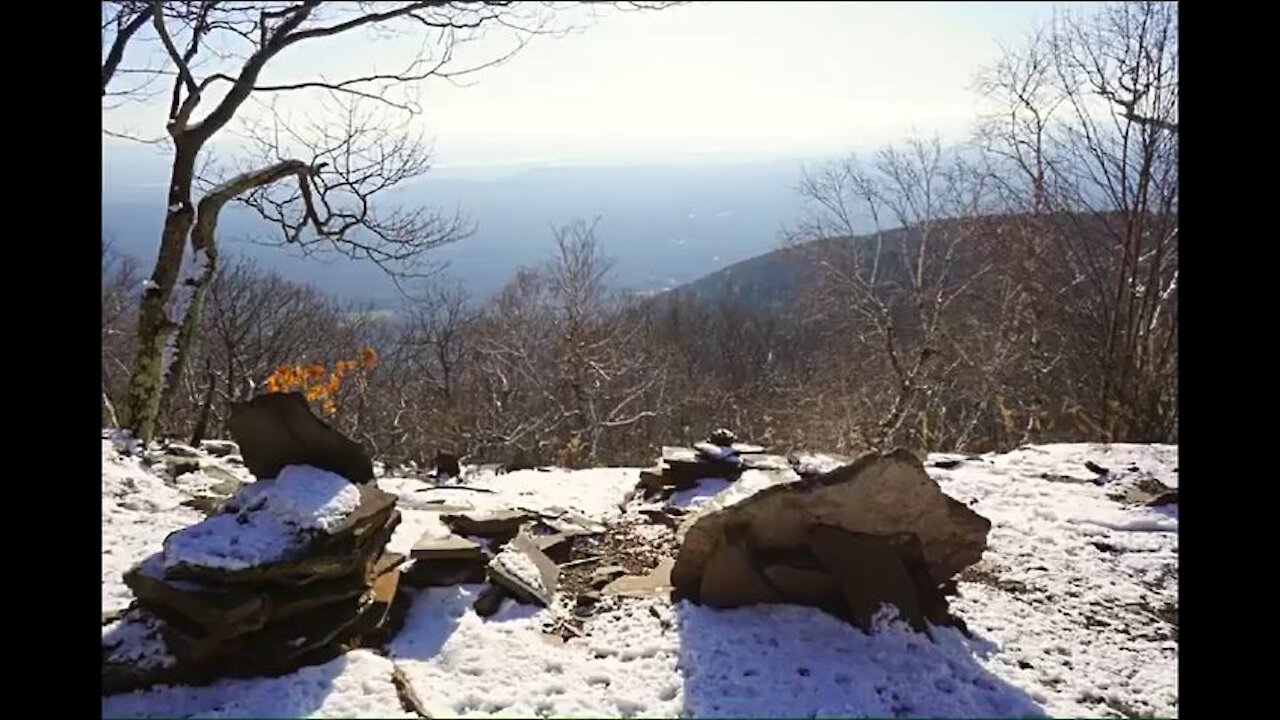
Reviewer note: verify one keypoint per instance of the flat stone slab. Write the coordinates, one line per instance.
(657, 583)
(452, 547)
(503, 524)
(525, 571)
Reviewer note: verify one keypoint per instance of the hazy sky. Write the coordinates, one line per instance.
(706, 79)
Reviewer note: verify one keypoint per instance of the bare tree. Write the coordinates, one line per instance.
(121, 283)
(1087, 119)
(887, 294)
(216, 54)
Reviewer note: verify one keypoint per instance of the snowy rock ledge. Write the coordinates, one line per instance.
(267, 522)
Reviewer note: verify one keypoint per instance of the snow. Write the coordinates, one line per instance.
(716, 452)
(701, 494)
(266, 522)
(1069, 610)
(1075, 579)
(357, 684)
(138, 511)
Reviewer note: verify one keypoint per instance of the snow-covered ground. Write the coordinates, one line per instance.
(1073, 611)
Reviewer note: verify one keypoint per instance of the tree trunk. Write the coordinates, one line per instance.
(202, 423)
(155, 326)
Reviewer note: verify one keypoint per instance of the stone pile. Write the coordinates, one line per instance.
(517, 551)
(873, 532)
(719, 456)
(292, 570)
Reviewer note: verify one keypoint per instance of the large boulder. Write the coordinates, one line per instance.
(278, 429)
(878, 530)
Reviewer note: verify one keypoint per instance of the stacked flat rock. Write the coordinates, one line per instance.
(719, 456)
(877, 531)
(290, 571)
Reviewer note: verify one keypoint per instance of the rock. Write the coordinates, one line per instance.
(876, 569)
(657, 583)
(490, 600)
(587, 599)
(279, 429)
(181, 450)
(722, 436)
(709, 451)
(1142, 490)
(660, 517)
(500, 525)
(525, 571)
(602, 576)
(570, 522)
(229, 483)
(949, 464)
(447, 465)
(879, 530)
(444, 573)
(223, 611)
(452, 547)
(684, 467)
(761, 461)
(558, 547)
(177, 465)
(207, 504)
(347, 548)
(1096, 468)
(220, 448)
(804, 585)
(876, 495)
(730, 580)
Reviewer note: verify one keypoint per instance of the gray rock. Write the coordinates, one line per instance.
(879, 530)
(490, 600)
(279, 429)
(452, 547)
(220, 448)
(501, 524)
(655, 583)
(876, 495)
(525, 571)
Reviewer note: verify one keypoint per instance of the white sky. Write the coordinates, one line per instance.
(722, 79)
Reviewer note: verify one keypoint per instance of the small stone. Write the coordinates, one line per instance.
(490, 600)
(723, 437)
(220, 448)
(602, 576)
(1096, 468)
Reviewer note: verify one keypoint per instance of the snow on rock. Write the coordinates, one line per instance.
(703, 493)
(135, 640)
(271, 520)
(817, 463)
(596, 493)
(357, 684)
(138, 511)
(750, 483)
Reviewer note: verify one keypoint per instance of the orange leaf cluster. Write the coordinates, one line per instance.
(316, 382)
